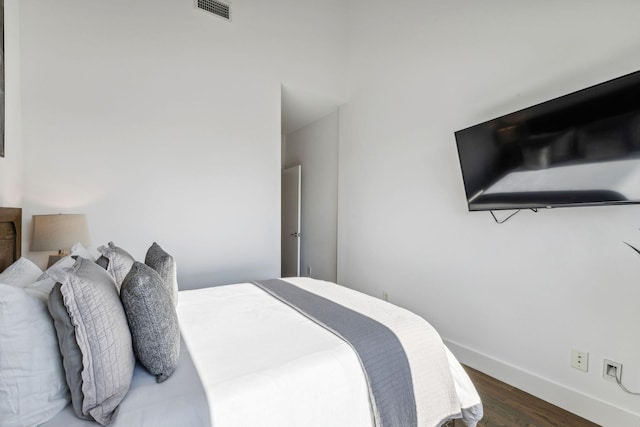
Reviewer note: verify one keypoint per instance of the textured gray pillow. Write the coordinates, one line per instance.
(119, 262)
(165, 265)
(152, 320)
(102, 335)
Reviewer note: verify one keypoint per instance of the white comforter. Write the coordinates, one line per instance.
(263, 364)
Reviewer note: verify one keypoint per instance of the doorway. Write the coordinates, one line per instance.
(290, 226)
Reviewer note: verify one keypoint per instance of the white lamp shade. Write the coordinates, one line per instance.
(59, 232)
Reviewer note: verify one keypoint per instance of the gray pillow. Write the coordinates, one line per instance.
(102, 336)
(119, 261)
(152, 320)
(103, 262)
(71, 354)
(165, 265)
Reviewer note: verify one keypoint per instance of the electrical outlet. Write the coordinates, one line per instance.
(612, 371)
(385, 296)
(580, 360)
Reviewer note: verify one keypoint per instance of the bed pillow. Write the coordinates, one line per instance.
(33, 388)
(41, 288)
(21, 273)
(72, 356)
(152, 320)
(102, 335)
(165, 265)
(87, 253)
(119, 261)
(77, 250)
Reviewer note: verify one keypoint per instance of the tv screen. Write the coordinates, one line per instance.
(580, 149)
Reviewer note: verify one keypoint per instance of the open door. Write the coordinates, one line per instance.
(290, 227)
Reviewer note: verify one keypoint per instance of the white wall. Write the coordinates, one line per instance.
(162, 122)
(315, 147)
(511, 299)
(11, 164)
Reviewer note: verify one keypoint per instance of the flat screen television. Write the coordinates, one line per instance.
(581, 149)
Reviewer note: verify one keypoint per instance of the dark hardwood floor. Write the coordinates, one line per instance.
(508, 406)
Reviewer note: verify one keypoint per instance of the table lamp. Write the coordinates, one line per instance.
(59, 233)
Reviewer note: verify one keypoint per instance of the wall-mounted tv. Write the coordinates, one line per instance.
(581, 149)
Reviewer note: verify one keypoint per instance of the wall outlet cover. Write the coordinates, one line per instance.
(580, 360)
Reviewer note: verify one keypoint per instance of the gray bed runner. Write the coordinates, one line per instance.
(381, 354)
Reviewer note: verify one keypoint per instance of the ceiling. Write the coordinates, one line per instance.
(302, 107)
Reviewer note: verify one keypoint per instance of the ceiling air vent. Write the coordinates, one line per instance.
(216, 7)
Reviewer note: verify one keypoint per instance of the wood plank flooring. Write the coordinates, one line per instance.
(507, 406)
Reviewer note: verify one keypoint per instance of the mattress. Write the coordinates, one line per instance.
(247, 359)
(270, 366)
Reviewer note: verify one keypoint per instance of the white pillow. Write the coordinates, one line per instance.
(33, 387)
(21, 273)
(64, 262)
(77, 250)
(87, 253)
(41, 288)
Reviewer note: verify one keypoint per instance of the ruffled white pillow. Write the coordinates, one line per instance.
(99, 365)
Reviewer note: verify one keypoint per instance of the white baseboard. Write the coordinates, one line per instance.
(588, 407)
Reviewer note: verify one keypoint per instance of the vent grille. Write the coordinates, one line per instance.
(217, 8)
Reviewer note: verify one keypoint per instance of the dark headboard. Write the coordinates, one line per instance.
(10, 236)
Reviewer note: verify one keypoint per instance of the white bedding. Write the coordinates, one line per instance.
(261, 363)
(174, 402)
(267, 365)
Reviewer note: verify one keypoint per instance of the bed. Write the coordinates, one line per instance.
(266, 353)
